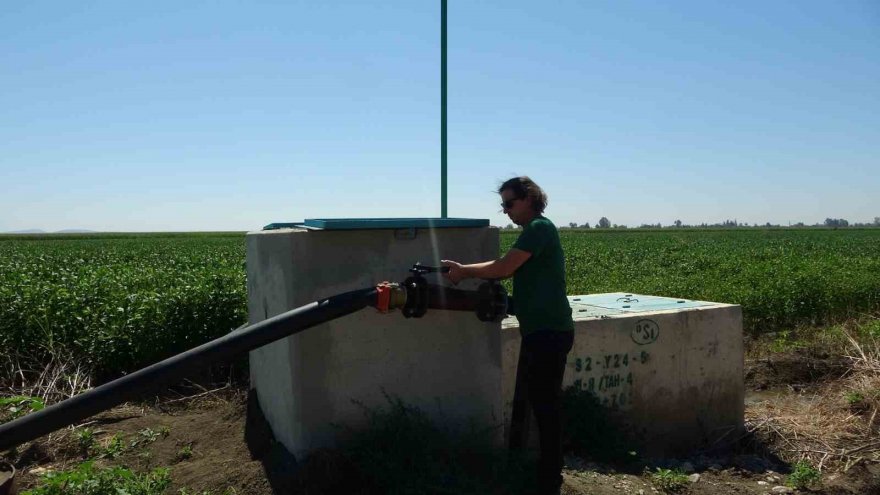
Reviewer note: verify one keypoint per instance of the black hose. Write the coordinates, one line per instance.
(440, 297)
(79, 407)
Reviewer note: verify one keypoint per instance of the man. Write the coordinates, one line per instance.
(537, 266)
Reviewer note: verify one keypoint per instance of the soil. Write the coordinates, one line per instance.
(210, 444)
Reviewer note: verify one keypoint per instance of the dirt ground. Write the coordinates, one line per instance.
(210, 445)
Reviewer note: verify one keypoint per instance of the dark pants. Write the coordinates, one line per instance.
(539, 373)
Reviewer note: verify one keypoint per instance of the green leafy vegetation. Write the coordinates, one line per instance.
(669, 480)
(87, 479)
(19, 405)
(185, 452)
(118, 302)
(114, 448)
(85, 439)
(145, 436)
(782, 278)
(853, 398)
(121, 302)
(803, 475)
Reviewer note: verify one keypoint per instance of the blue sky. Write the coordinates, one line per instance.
(158, 116)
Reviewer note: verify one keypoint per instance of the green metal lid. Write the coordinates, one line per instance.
(380, 223)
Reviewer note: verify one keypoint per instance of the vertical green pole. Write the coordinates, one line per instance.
(443, 108)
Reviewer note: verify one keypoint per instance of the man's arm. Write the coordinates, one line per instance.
(504, 267)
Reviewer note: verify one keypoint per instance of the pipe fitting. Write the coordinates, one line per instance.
(390, 296)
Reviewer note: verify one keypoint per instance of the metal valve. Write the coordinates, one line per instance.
(492, 301)
(417, 290)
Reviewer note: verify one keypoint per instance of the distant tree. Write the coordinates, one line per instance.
(604, 223)
(836, 222)
(510, 226)
(572, 225)
(799, 224)
(678, 223)
(876, 221)
(586, 225)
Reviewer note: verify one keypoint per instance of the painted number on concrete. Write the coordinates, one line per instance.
(645, 332)
(583, 364)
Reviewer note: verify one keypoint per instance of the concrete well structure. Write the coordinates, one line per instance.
(670, 369)
(446, 363)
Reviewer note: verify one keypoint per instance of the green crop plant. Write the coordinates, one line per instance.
(118, 302)
(782, 278)
(121, 302)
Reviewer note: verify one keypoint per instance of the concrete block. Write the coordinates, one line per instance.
(674, 376)
(447, 363)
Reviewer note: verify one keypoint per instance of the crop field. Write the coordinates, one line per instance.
(119, 302)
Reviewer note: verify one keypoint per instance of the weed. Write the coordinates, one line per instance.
(145, 436)
(785, 341)
(114, 448)
(803, 475)
(185, 452)
(19, 405)
(85, 438)
(669, 480)
(854, 398)
(86, 479)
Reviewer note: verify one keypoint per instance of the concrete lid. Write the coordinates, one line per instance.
(621, 304)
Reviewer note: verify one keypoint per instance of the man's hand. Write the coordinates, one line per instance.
(455, 273)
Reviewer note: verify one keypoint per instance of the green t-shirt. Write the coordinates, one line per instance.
(539, 284)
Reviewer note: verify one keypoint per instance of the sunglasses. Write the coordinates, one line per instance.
(507, 204)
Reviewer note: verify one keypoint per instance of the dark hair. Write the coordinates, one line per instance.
(524, 187)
